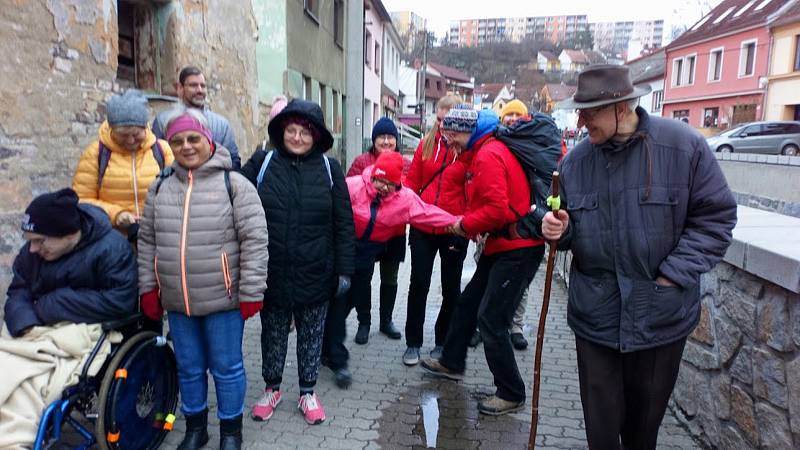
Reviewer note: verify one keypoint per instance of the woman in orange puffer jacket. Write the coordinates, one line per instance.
(115, 172)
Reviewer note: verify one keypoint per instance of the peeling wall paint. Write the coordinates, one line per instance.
(60, 67)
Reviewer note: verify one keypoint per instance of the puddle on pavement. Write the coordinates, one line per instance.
(430, 419)
(442, 414)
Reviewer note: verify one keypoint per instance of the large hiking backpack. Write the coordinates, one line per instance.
(536, 143)
(104, 156)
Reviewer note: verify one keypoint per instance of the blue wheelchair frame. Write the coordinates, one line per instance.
(51, 425)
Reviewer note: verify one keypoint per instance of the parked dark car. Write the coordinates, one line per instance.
(775, 138)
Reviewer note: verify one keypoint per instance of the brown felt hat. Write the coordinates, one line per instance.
(603, 84)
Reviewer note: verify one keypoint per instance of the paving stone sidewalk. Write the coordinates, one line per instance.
(391, 406)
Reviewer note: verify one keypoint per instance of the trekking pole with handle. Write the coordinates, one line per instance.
(554, 202)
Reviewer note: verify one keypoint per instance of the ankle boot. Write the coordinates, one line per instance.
(388, 297)
(230, 433)
(196, 431)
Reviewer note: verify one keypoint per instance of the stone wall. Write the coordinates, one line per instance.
(766, 182)
(60, 66)
(739, 383)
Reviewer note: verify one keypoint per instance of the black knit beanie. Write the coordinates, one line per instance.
(384, 126)
(53, 214)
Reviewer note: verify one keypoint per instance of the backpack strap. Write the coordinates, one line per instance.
(103, 156)
(265, 164)
(328, 169)
(163, 175)
(263, 170)
(158, 155)
(228, 187)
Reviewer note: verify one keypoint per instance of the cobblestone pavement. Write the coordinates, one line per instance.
(392, 406)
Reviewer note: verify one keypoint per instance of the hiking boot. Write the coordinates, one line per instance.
(518, 341)
(311, 408)
(411, 356)
(496, 406)
(436, 353)
(196, 435)
(475, 339)
(343, 378)
(230, 433)
(435, 368)
(390, 330)
(362, 335)
(266, 405)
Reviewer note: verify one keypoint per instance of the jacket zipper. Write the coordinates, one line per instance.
(184, 230)
(135, 185)
(226, 274)
(155, 269)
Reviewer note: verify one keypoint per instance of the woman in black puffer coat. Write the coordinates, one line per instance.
(311, 247)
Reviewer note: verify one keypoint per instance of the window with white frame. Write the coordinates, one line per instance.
(690, 65)
(677, 72)
(715, 64)
(797, 52)
(658, 99)
(377, 58)
(368, 49)
(747, 58)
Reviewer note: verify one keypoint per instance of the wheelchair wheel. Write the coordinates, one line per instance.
(138, 395)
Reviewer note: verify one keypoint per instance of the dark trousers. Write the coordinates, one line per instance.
(490, 300)
(625, 395)
(424, 247)
(361, 291)
(333, 347)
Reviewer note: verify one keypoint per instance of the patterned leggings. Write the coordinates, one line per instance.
(309, 322)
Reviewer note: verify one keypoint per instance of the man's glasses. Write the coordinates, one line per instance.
(590, 113)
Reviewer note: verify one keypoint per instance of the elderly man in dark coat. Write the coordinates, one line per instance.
(647, 211)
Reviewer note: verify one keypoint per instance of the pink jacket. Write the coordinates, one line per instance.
(399, 208)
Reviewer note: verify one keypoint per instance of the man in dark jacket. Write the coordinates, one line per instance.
(496, 190)
(648, 210)
(73, 267)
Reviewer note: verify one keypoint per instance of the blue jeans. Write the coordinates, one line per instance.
(211, 343)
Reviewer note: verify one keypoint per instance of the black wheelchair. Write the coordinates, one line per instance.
(130, 403)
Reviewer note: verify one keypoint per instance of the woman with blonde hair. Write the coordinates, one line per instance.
(437, 175)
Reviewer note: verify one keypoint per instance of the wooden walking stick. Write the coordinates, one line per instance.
(554, 202)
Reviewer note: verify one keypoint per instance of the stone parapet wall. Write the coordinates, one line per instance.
(739, 383)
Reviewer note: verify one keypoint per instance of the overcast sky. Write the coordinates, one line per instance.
(439, 13)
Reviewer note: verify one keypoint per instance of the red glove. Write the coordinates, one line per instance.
(249, 309)
(151, 305)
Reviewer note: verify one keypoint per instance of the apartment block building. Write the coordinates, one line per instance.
(475, 32)
(616, 37)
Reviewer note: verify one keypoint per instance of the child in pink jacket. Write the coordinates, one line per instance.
(380, 203)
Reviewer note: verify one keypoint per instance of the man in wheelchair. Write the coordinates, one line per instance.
(72, 273)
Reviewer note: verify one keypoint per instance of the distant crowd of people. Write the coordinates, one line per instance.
(166, 213)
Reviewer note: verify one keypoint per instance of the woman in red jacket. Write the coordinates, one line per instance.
(384, 140)
(437, 175)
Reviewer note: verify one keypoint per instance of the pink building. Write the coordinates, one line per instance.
(716, 71)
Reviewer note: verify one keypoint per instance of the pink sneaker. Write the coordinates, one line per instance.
(312, 409)
(266, 405)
